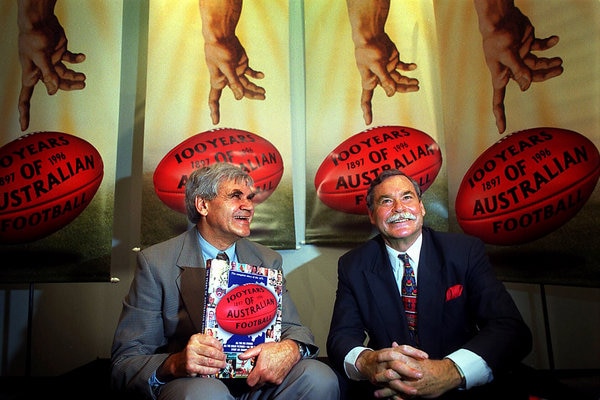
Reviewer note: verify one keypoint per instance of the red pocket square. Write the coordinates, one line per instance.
(453, 292)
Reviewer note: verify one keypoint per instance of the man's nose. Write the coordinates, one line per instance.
(399, 206)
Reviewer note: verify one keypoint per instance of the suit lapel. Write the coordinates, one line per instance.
(246, 253)
(387, 298)
(192, 279)
(191, 287)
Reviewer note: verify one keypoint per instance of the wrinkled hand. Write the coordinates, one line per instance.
(202, 356)
(228, 66)
(508, 44)
(42, 53)
(438, 377)
(379, 63)
(273, 361)
(392, 368)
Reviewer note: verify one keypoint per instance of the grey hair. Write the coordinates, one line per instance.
(388, 173)
(204, 183)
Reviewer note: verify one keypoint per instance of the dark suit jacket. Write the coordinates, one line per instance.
(460, 303)
(164, 307)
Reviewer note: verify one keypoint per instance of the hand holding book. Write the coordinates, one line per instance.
(243, 311)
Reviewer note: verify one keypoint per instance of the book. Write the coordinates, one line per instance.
(245, 290)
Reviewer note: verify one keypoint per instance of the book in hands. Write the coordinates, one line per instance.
(242, 309)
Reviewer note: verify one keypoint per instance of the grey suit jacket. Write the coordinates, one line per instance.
(164, 307)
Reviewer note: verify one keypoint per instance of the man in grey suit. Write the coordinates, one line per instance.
(158, 349)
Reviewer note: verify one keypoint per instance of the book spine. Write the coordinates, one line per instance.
(206, 294)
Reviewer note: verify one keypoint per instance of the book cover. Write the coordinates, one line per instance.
(242, 310)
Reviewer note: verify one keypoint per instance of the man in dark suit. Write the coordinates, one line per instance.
(158, 349)
(468, 334)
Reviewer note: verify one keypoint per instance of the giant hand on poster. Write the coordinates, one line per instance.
(226, 58)
(508, 42)
(377, 57)
(508, 39)
(43, 53)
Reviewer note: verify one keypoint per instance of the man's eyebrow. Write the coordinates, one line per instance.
(391, 195)
(240, 193)
(234, 193)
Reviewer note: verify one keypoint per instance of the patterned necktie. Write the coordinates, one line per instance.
(409, 295)
(222, 256)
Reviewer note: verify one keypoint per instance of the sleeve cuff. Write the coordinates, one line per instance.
(303, 349)
(350, 363)
(475, 370)
(155, 385)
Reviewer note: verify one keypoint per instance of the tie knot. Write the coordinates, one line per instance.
(404, 258)
(222, 256)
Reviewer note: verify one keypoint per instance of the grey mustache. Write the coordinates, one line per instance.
(400, 216)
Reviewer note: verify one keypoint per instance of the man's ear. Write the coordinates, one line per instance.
(201, 206)
(371, 217)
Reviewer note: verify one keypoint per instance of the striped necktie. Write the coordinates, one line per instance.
(409, 295)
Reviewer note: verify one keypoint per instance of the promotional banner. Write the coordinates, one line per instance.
(60, 74)
(189, 124)
(499, 126)
(536, 179)
(519, 149)
(348, 148)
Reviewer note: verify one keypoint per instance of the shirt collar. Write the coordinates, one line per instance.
(210, 252)
(413, 252)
